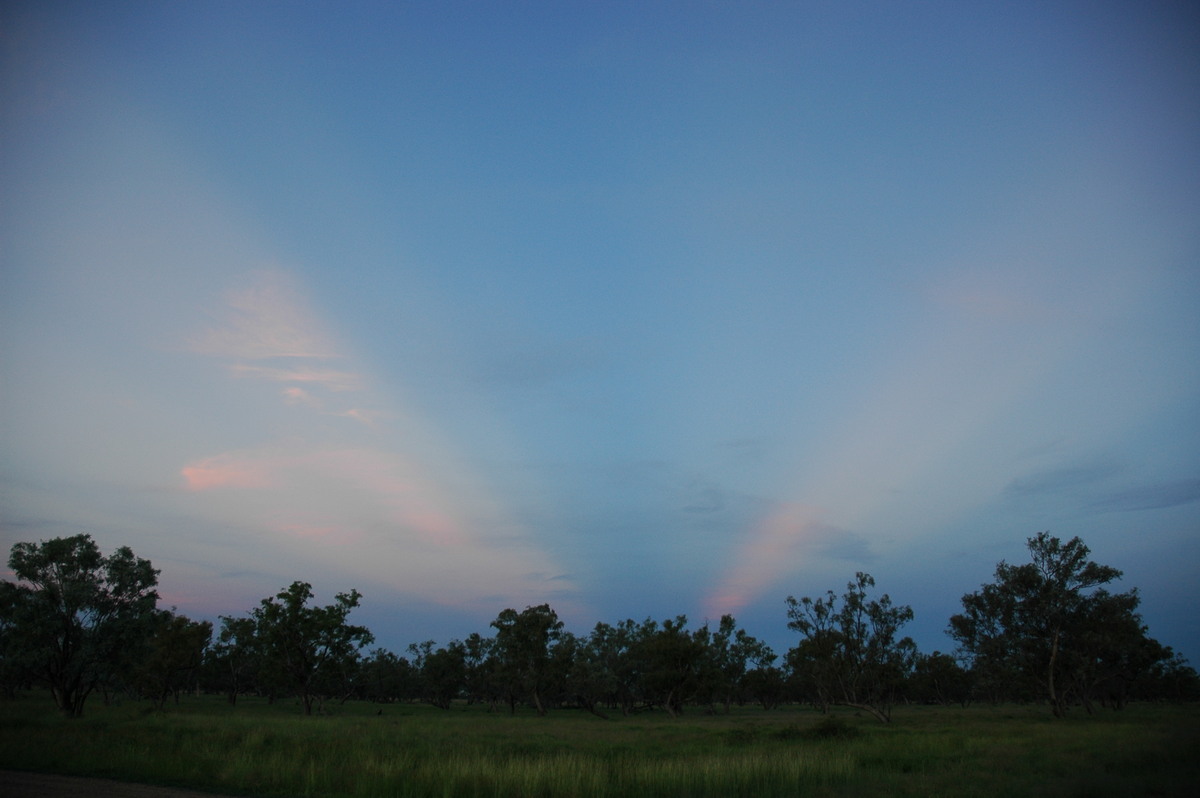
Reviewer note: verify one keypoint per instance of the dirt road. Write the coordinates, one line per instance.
(17, 784)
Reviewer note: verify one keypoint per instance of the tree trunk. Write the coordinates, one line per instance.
(876, 712)
(591, 707)
(70, 700)
(1056, 703)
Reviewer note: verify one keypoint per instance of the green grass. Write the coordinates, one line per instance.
(260, 749)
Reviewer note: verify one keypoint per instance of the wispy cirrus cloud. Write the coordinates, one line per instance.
(295, 395)
(367, 417)
(229, 471)
(399, 507)
(325, 533)
(266, 318)
(1094, 489)
(268, 331)
(791, 531)
(378, 486)
(325, 378)
(380, 515)
(992, 330)
(1154, 496)
(1059, 479)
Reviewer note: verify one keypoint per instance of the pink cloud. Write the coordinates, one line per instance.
(298, 396)
(227, 471)
(1007, 294)
(367, 417)
(762, 558)
(325, 533)
(326, 378)
(358, 479)
(413, 499)
(266, 319)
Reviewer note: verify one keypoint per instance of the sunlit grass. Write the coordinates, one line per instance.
(408, 750)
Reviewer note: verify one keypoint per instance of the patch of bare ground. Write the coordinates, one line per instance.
(18, 784)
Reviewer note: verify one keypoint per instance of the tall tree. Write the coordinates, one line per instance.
(232, 661)
(729, 652)
(442, 672)
(482, 682)
(939, 678)
(77, 617)
(387, 677)
(173, 655)
(303, 644)
(671, 659)
(523, 652)
(850, 654)
(613, 665)
(589, 680)
(1051, 624)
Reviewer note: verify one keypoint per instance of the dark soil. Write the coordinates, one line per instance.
(18, 784)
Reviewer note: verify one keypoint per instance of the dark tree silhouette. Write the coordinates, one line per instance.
(1050, 624)
(173, 656)
(850, 654)
(301, 645)
(523, 652)
(75, 617)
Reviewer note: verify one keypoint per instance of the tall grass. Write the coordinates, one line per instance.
(256, 749)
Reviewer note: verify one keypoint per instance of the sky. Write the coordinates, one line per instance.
(635, 308)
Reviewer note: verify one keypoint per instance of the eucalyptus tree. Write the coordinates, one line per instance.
(233, 660)
(481, 680)
(672, 661)
(302, 645)
(173, 656)
(614, 668)
(442, 672)
(1170, 679)
(1052, 627)
(766, 686)
(729, 652)
(939, 678)
(523, 653)
(849, 653)
(385, 677)
(590, 681)
(75, 618)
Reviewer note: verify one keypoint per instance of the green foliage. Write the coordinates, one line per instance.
(442, 672)
(670, 659)
(415, 750)
(1049, 627)
(173, 655)
(75, 619)
(523, 653)
(829, 727)
(724, 671)
(386, 678)
(938, 678)
(1171, 679)
(832, 727)
(233, 659)
(308, 650)
(850, 654)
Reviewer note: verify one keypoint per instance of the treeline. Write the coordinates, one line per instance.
(78, 623)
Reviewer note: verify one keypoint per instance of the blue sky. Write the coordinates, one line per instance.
(635, 308)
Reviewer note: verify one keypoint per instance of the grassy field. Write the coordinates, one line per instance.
(257, 749)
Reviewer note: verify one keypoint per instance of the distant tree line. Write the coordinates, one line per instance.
(77, 622)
